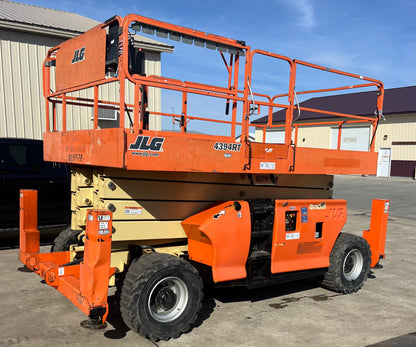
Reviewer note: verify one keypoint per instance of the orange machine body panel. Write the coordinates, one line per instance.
(104, 147)
(305, 232)
(81, 60)
(220, 237)
(335, 162)
(164, 151)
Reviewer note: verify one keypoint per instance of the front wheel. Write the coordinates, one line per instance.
(349, 267)
(65, 239)
(161, 296)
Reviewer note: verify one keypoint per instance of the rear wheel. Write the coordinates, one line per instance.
(65, 239)
(161, 296)
(349, 267)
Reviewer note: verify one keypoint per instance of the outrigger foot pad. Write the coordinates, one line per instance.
(93, 324)
(24, 269)
(378, 266)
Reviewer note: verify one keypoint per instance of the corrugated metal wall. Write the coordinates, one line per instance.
(398, 129)
(153, 67)
(308, 136)
(314, 137)
(21, 101)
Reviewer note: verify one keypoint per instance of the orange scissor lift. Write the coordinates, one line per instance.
(161, 209)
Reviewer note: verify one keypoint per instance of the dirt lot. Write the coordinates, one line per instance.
(296, 314)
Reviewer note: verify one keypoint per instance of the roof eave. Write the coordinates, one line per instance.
(154, 47)
(36, 29)
(68, 34)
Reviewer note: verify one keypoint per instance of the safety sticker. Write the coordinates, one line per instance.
(103, 217)
(216, 216)
(292, 236)
(103, 225)
(265, 165)
(321, 206)
(304, 214)
(386, 207)
(61, 271)
(132, 211)
(104, 232)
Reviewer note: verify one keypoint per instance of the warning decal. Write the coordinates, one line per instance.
(128, 211)
(267, 165)
(103, 225)
(292, 236)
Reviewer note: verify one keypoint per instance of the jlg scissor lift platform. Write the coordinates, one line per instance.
(158, 210)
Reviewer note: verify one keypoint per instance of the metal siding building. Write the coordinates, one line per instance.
(26, 34)
(21, 98)
(396, 134)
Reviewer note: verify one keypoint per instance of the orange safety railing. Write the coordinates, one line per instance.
(245, 99)
(289, 124)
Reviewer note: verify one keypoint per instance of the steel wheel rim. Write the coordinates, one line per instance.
(168, 299)
(353, 264)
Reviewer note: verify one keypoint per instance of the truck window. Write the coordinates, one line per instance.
(16, 155)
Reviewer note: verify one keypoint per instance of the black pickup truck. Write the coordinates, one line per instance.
(22, 167)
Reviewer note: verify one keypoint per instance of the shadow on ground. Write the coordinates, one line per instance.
(285, 294)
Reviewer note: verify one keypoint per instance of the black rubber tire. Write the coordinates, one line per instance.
(65, 239)
(148, 280)
(350, 262)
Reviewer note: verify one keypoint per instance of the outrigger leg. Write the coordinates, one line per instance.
(85, 284)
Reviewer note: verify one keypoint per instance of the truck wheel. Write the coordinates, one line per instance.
(161, 296)
(349, 267)
(65, 239)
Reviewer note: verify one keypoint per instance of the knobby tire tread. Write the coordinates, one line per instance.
(140, 271)
(333, 278)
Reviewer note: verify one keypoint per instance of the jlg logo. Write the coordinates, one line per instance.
(79, 55)
(144, 143)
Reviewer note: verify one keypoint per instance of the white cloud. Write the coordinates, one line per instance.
(306, 19)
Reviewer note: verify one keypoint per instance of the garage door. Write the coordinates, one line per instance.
(352, 138)
(275, 136)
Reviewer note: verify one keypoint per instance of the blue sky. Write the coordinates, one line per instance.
(371, 38)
